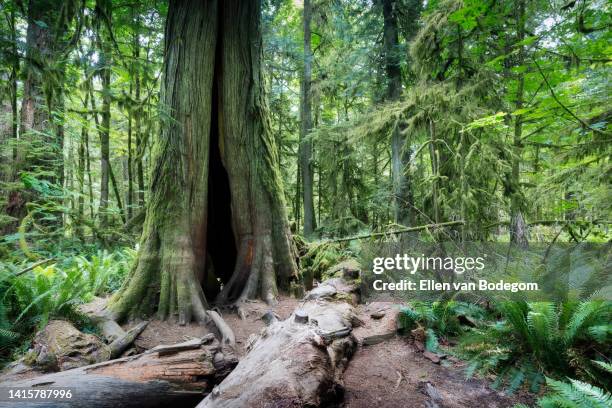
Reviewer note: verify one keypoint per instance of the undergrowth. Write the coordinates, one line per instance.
(30, 298)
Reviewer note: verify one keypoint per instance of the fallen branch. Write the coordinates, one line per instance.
(122, 343)
(33, 266)
(552, 222)
(399, 231)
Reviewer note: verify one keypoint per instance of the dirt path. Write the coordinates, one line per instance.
(393, 374)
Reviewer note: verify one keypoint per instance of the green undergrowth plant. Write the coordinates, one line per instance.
(575, 394)
(30, 298)
(534, 340)
(440, 320)
(320, 257)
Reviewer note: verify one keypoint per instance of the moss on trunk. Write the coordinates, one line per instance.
(215, 139)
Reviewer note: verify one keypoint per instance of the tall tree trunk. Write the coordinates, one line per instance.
(9, 112)
(400, 152)
(104, 45)
(215, 171)
(138, 118)
(129, 194)
(81, 172)
(41, 134)
(305, 147)
(518, 226)
(6, 134)
(13, 77)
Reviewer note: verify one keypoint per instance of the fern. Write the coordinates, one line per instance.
(575, 394)
(541, 338)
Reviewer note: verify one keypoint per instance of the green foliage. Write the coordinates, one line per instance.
(576, 394)
(105, 271)
(320, 256)
(439, 319)
(537, 339)
(29, 300)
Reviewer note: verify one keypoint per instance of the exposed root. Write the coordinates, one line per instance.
(227, 335)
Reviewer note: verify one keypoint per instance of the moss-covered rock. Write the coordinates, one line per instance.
(60, 346)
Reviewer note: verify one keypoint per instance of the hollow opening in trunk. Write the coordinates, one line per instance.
(221, 243)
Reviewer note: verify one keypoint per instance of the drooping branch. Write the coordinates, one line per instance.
(565, 108)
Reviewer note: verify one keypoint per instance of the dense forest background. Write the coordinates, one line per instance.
(462, 120)
(491, 113)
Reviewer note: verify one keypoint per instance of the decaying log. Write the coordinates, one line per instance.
(164, 350)
(293, 364)
(145, 380)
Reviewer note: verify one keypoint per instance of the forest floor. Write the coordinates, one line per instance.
(168, 332)
(390, 374)
(395, 374)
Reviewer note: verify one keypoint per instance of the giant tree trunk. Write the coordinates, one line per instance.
(216, 171)
(400, 153)
(305, 147)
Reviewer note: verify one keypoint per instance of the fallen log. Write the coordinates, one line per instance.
(399, 231)
(148, 380)
(296, 362)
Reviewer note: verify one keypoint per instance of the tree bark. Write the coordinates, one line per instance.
(81, 168)
(400, 152)
(104, 46)
(305, 146)
(518, 226)
(296, 362)
(216, 171)
(149, 380)
(6, 131)
(8, 110)
(40, 134)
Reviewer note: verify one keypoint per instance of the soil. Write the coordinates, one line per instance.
(252, 323)
(168, 332)
(394, 374)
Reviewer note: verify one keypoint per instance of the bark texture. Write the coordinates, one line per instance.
(41, 129)
(400, 153)
(305, 147)
(216, 171)
(154, 379)
(518, 225)
(292, 363)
